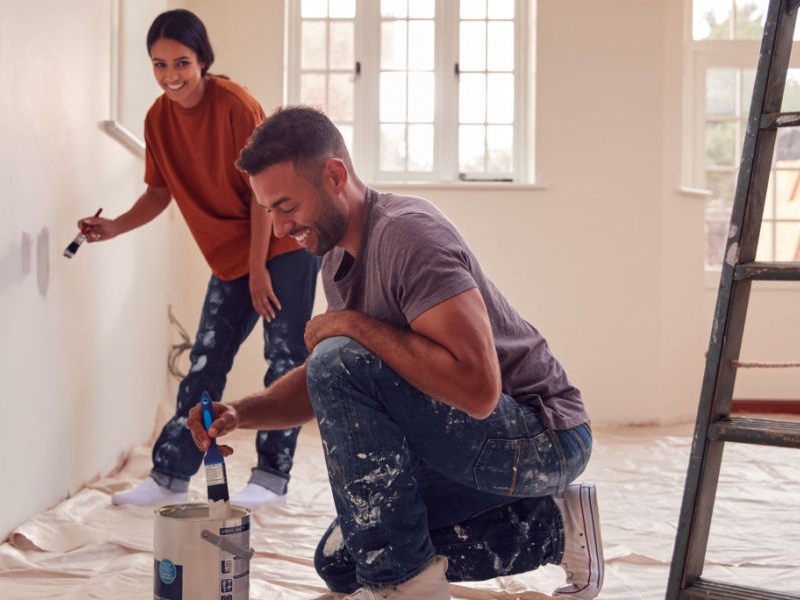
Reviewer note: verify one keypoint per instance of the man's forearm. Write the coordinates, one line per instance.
(282, 405)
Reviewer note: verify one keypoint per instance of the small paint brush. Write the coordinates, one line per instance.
(79, 239)
(216, 477)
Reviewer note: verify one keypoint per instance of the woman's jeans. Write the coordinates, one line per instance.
(412, 478)
(227, 319)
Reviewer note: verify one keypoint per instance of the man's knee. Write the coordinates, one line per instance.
(334, 355)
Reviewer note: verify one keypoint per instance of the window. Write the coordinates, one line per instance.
(726, 39)
(422, 90)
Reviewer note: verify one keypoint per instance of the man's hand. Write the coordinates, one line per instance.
(226, 419)
(330, 324)
(261, 293)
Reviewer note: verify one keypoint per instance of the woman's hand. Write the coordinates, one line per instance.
(263, 296)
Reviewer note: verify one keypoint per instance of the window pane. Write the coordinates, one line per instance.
(312, 90)
(500, 145)
(720, 143)
(472, 98)
(471, 148)
(420, 45)
(716, 236)
(420, 148)
(787, 148)
(500, 102)
(791, 93)
(787, 241)
(501, 46)
(711, 20)
(421, 9)
(750, 17)
(766, 240)
(342, 54)
(421, 97)
(313, 51)
(748, 80)
(787, 197)
(314, 8)
(347, 134)
(394, 9)
(472, 44)
(501, 9)
(343, 9)
(393, 148)
(722, 184)
(721, 92)
(473, 9)
(393, 45)
(340, 100)
(393, 97)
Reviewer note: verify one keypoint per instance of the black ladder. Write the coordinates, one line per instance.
(714, 424)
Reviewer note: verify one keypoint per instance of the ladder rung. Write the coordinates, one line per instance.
(784, 271)
(746, 430)
(779, 119)
(703, 589)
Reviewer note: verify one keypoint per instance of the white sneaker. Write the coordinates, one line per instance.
(148, 492)
(431, 584)
(583, 548)
(254, 496)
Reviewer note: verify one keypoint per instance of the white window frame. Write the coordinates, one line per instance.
(366, 131)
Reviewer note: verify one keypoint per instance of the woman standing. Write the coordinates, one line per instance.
(193, 135)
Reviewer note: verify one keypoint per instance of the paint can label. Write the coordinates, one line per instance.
(168, 578)
(234, 571)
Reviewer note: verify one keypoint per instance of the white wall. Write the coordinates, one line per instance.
(84, 339)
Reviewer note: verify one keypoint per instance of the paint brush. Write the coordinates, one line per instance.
(216, 477)
(79, 239)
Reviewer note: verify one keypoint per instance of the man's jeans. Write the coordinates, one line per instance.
(227, 319)
(412, 478)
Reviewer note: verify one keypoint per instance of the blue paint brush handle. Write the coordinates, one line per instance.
(207, 412)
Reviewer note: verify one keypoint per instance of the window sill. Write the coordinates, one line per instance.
(456, 185)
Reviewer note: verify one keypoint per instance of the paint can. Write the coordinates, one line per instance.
(199, 558)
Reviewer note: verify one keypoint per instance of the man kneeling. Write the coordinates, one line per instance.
(451, 433)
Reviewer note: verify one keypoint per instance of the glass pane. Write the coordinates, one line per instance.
(721, 92)
(312, 55)
(766, 241)
(473, 9)
(393, 148)
(472, 46)
(314, 8)
(787, 241)
(393, 45)
(787, 195)
(472, 98)
(791, 93)
(500, 148)
(347, 134)
(711, 20)
(420, 148)
(716, 235)
(500, 101)
(748, 80)
(342, 54)
(750, 17)
(343, 9)
(720, 143)
(393, 97)
(421, 97)
(312, 90)
(501, 46)
(420, 45)
(501, 9)
(340, 97)
(394, 9)
(787, 148)
(421, 9)
(471, 143)
(722, 184)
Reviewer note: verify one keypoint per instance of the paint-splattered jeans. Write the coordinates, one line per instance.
(227, 319)
(412, 478)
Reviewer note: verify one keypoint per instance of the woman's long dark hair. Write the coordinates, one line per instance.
(184, 27)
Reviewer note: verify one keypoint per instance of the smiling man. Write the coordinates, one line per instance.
(452, 435)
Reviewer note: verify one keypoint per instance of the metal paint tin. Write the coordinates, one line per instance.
(199, 558)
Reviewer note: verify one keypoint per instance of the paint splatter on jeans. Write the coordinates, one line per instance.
(412, 478)
(226, 320)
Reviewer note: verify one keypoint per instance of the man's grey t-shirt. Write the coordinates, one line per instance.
(411, 258)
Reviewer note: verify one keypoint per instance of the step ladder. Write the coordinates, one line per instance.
(714, 425)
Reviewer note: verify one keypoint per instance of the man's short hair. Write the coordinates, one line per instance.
(300, 134)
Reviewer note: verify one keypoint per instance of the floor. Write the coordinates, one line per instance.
(86, 548)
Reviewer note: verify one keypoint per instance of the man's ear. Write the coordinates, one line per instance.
(335, 172)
